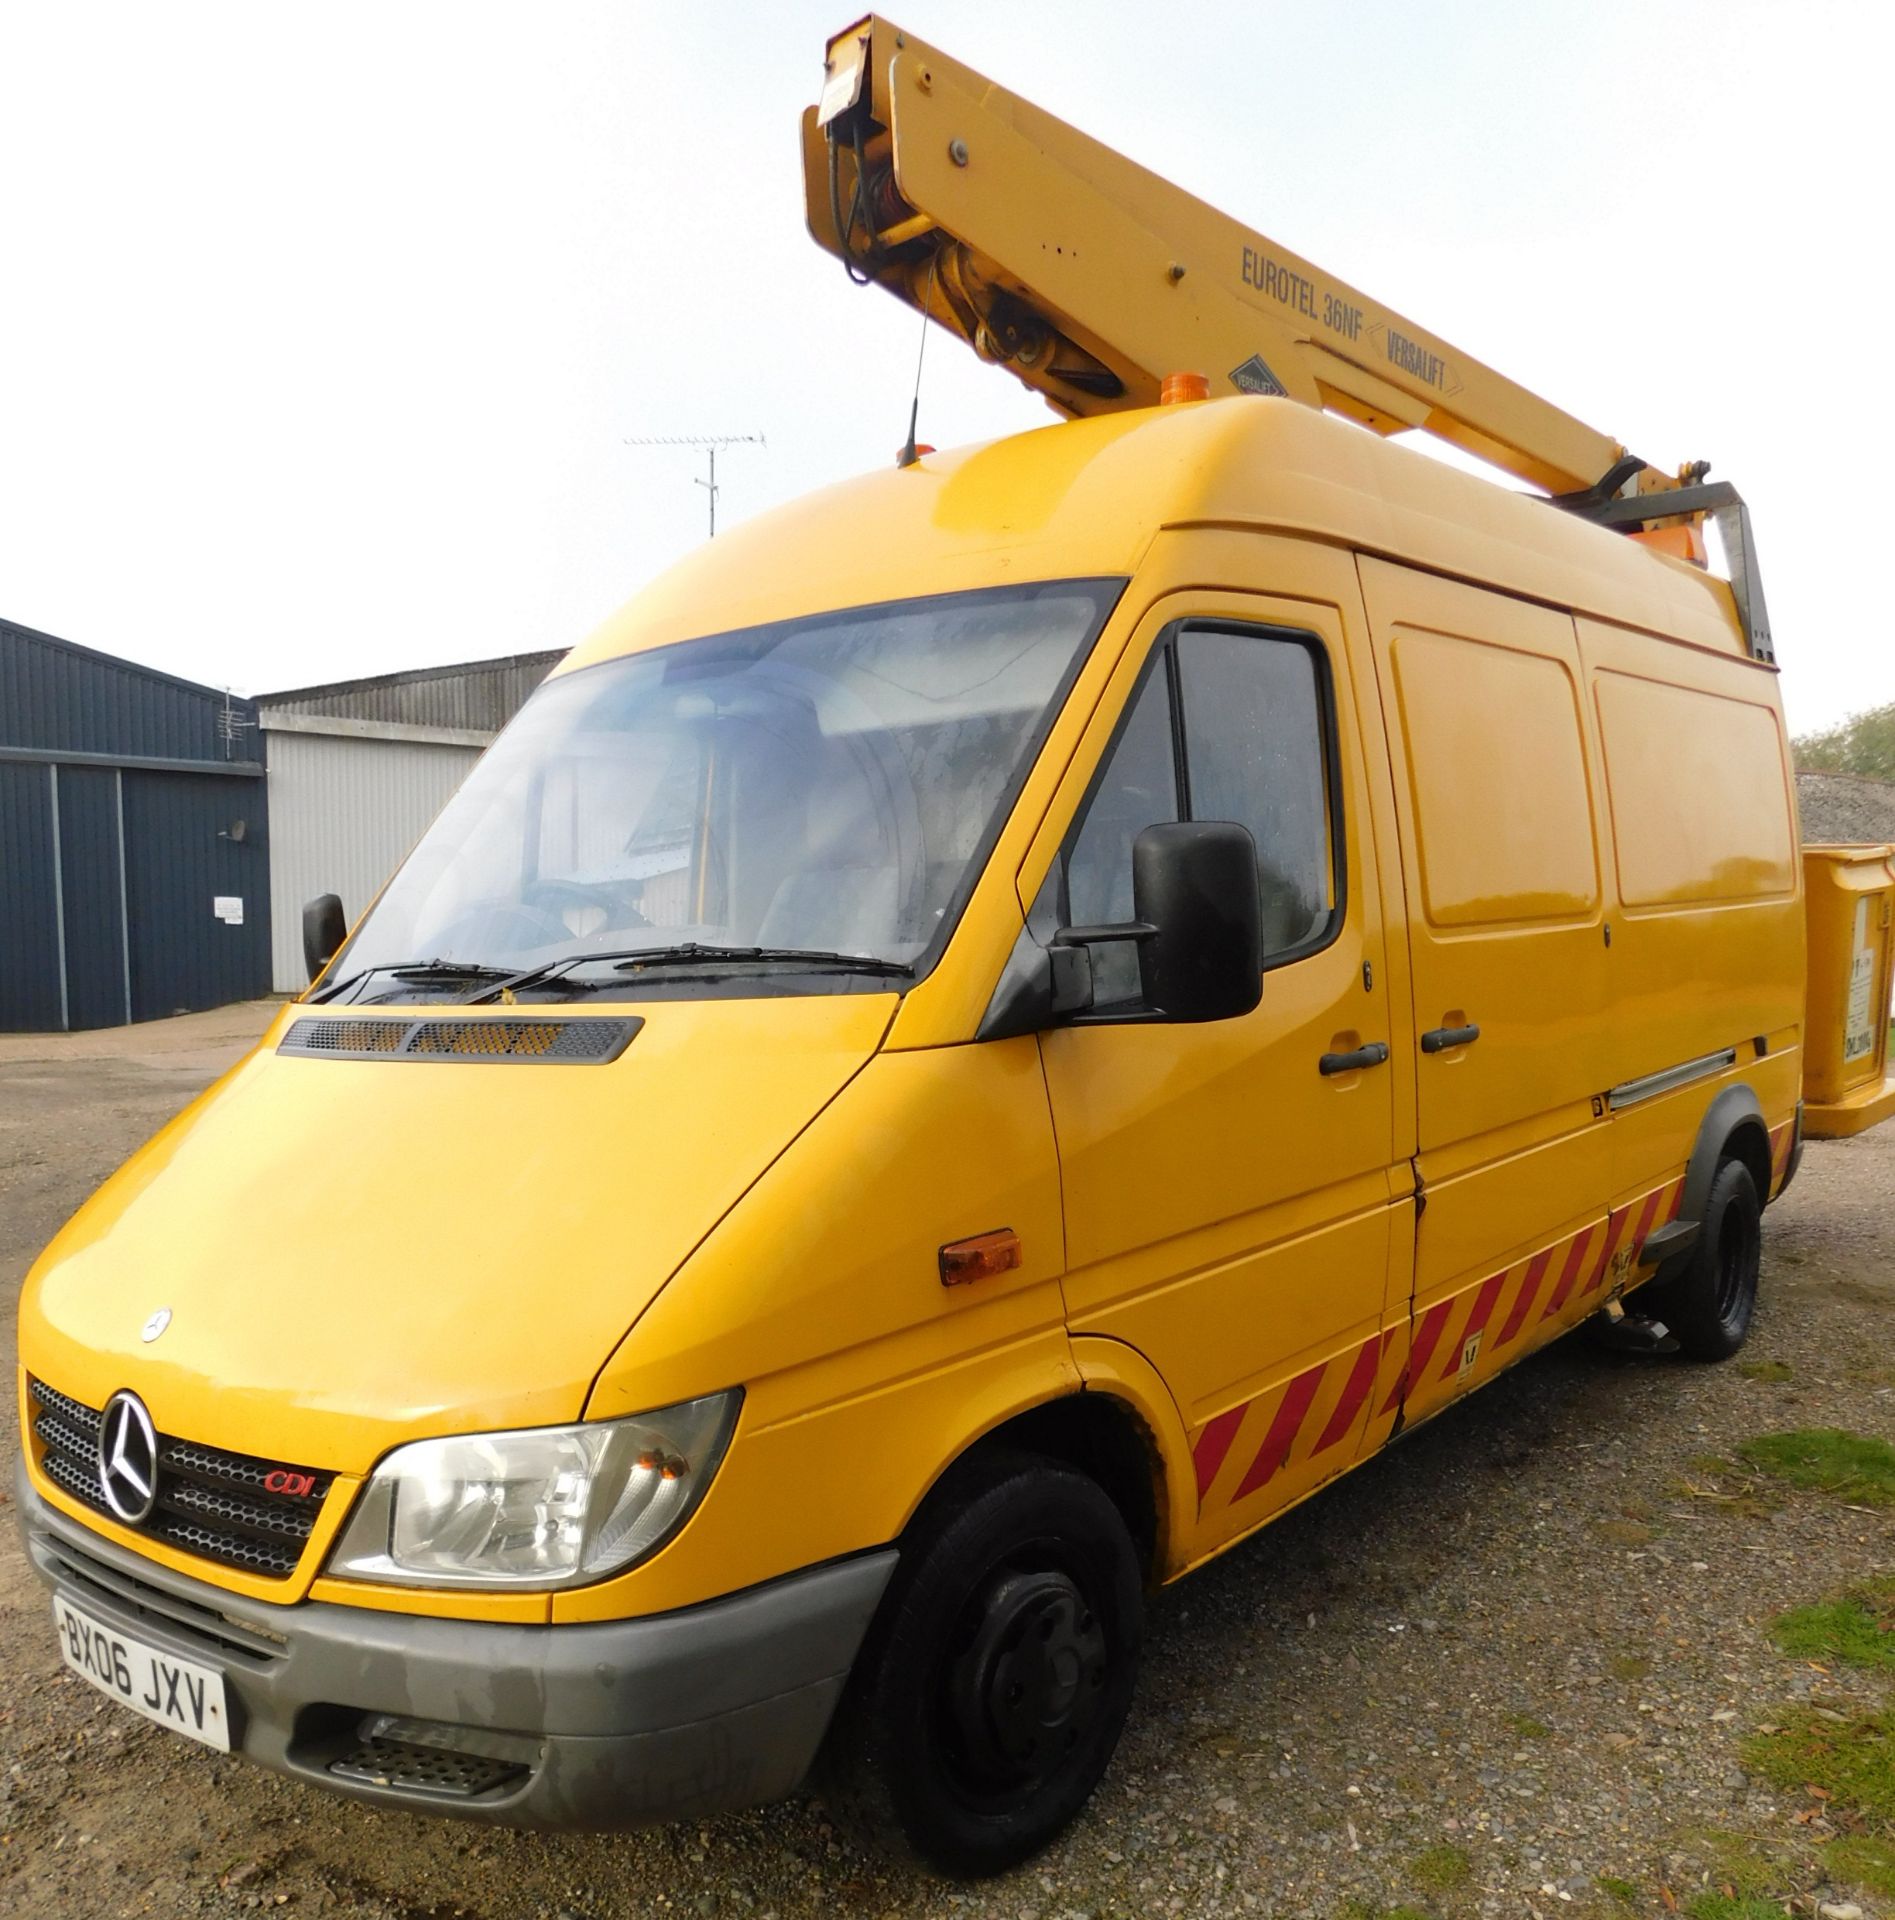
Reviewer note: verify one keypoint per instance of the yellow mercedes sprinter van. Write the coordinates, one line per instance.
(992, 1032)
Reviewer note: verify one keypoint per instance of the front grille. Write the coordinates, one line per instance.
(587, 1042)
(210, 1503)
(346, 1036)
(222, 1636)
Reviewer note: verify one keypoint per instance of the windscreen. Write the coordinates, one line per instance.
(830, 785)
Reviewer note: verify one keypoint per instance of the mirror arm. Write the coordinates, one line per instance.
(1071, 969)
(1097, 936)
(1038, 987)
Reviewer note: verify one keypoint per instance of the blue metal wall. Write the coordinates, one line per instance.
(69, 699)
(92, 897)
(29, 904)
(179, 857)
(121, 797)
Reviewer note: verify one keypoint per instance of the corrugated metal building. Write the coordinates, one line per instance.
(133, 841)
(358, 769)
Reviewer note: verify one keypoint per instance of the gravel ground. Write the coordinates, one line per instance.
(1845, 807)
(1509, 1662)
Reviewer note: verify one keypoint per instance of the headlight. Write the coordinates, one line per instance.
(538, 1507)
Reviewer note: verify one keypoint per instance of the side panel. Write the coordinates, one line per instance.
(30, 997)
(1707, 958)
(1493, 763)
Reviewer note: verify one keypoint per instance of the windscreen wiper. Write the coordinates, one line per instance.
(816, 957)
(633, 959)
(415, 970)
(544, 970)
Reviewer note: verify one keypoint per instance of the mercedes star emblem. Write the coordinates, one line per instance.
(128, 1458)
(155, 1325)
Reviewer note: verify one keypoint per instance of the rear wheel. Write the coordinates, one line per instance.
(1708, 1306)
(992, 1691)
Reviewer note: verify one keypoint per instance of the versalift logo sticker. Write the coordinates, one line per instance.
(1254, 376)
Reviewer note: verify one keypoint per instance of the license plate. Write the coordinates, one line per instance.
(178, 1694)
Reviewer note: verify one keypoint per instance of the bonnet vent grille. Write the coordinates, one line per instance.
(543, 1042)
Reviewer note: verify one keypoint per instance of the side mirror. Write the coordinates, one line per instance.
(324, 930)
(1194, 885)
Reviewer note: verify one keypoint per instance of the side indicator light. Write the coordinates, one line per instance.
(979, 1257)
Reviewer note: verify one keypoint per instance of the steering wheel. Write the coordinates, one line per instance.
(550, 896)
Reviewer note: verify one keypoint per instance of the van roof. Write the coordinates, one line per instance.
(1087, 497)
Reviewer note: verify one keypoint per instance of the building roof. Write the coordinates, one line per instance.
(58, 697)
(478, 696)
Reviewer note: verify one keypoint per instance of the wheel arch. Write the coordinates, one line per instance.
(1733, 1126)
(1120, 1427)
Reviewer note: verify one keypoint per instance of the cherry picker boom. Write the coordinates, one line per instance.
(1091, 279)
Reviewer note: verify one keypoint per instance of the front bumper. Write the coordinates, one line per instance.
(622, 1724)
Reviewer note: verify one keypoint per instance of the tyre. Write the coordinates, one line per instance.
(1709, 1304)
(993, 1687)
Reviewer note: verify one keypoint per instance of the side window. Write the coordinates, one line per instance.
(1137, 789)
(1254, 747)
(1229, 725)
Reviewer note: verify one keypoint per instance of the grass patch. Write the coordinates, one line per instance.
(1740, 1869)
(1772, 1372)
(1362, 1910)
(1748, 1880)
(1852, 1466)
(1858, 1629)
(1528, 1728)
(1860, 1861)
(1622, 1891)
(1442, 1869)
(1853, 1762)
(1628, 1666)
(1734, 1491)
(1626, 1533)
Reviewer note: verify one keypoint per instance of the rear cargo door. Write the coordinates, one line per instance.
(1496, 795)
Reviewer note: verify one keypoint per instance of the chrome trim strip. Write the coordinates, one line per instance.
(1628, 1093)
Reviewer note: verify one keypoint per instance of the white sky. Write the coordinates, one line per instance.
(322, 328)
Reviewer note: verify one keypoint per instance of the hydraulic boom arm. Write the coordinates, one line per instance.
(1091, 279)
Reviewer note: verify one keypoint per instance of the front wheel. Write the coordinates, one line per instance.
(1709, 1305)
(993, 1688)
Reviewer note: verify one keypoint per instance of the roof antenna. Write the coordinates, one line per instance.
(911, 452)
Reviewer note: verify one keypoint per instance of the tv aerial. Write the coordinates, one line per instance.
(707, 444)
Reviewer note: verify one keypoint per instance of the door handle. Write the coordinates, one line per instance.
(1440, 1039)
(1370, 1056)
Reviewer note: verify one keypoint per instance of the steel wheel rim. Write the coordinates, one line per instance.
(1739, 1246)
(1023, 1687)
